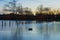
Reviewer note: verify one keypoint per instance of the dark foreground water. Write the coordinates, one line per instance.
(29, 30)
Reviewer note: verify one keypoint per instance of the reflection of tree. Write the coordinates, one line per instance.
(2, 24)
(5, 24)
(9, 23)
(46, 34)
(41, 28)
(17, 32)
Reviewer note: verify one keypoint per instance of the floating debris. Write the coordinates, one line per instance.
(30, 29)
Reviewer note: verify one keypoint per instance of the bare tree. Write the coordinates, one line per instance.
(12, 6)
(40, 8)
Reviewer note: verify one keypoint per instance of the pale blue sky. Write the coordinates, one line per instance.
(34, 3)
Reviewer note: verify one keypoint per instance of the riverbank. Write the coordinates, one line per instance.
(39, 17)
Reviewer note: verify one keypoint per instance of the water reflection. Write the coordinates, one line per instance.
(9, 23)
(2, 24)
(46, 34)
(29, 30)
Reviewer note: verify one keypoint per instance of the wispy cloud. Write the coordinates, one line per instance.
(35, 3)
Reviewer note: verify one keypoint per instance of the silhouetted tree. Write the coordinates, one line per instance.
(28, 11)
(40, 8)
(20, 9)
(12, 6)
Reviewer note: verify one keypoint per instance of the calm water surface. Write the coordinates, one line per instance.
(29, 30)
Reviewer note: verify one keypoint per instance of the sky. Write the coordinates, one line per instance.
(33, 4)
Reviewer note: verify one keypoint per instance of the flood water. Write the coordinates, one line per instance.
(29, 30)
